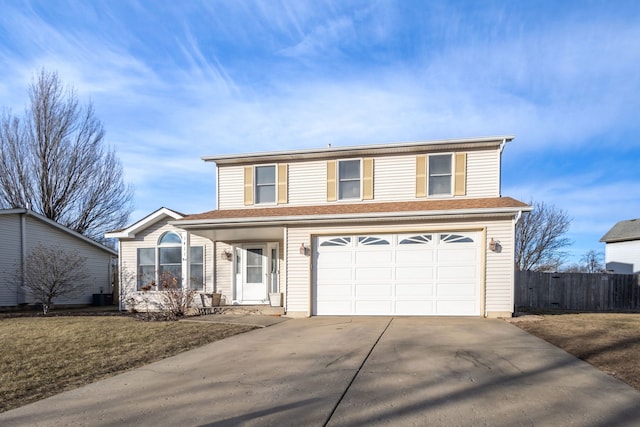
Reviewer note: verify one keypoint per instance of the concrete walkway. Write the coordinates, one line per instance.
(352, 372)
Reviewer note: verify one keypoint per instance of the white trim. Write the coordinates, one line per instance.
(130, 232)
(409, 215)
(356, 151)
(275, 185)
(360, 179)
(451, 176)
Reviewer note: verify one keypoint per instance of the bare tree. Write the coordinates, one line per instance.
(539, 238)
(53, 161)
(592, 262)
(50, 273)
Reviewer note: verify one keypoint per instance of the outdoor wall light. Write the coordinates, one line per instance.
(226, 254)
(304, 250)
(494, 245)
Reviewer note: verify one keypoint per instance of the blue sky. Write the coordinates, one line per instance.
(175, 80)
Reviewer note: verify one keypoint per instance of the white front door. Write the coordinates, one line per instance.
(255, 274)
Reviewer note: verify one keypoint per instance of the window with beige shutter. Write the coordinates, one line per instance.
(367, 179)
(441, 174)
(421, 175)
(248, 185)
(283, 180)
(266, 184)
(331, 181)
(460, 177)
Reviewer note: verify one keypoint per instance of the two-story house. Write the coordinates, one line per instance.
(417, 228)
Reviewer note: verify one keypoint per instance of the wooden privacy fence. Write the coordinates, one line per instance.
(577, 291)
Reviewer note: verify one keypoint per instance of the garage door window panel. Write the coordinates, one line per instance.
(455, 238)
(421, 239)
(337, 241)
(372, 241)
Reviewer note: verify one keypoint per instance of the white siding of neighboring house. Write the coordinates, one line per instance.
(97, 264)
(148, 238)
(499, 266)
(9, 258)
(623, 257)
(394, 180)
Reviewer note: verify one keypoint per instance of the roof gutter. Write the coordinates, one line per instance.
(374, 216)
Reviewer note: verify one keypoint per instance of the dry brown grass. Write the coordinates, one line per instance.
(40, 357)
(610, 342)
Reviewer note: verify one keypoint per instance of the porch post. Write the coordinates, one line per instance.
(284, 278)
(186, 260)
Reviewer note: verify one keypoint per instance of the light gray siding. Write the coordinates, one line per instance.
(23, 232)
(97, 263)
(10, 256)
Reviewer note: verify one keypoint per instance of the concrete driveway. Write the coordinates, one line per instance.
(342, 371)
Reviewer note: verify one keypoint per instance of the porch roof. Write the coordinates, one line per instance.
(352, 211)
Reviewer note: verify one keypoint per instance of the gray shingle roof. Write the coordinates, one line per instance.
(623, 231)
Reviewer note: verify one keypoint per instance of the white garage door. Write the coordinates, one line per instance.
(397, 274)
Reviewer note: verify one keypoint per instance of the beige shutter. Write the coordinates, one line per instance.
(282, 183)
(331, 181)
(248, 185)
(367, 179)
(421, 175)
(460, 179)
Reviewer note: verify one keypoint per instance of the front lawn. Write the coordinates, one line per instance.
(608, 341)
(43, 356)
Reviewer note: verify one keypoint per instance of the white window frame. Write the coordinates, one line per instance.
(256, 185)
(339, 180)
(451, 175)
(156, 256)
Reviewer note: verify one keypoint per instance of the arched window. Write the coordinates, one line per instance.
(169, 259)
(170, 238)
(162, 263)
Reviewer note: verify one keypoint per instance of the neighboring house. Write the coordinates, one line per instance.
(622, 247)
(415, 228)
(22, 229)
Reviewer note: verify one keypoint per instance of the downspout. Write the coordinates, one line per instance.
(513, 251)
(502, 144)
(517, 218)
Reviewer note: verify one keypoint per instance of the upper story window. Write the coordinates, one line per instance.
(440, 175)
(348, 179)
(265, 182)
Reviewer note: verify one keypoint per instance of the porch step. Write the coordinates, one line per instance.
(264, 310)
